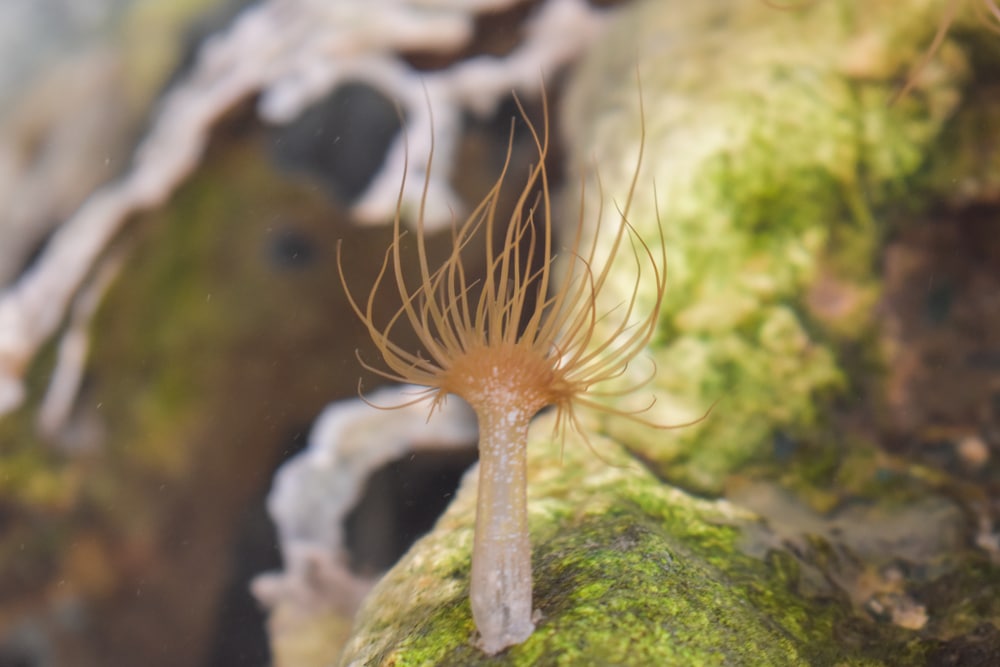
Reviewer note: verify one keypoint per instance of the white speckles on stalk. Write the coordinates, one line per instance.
(500, 582)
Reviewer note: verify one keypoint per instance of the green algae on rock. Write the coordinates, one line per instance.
(773, 150)
(628, 572)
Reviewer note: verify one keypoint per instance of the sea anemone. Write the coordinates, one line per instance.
(511, 345)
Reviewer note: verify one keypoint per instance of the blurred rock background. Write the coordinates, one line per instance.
(130, 532)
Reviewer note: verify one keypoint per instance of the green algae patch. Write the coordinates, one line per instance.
(687, 612)
(627, 571)
(772, 156)
(631, 571)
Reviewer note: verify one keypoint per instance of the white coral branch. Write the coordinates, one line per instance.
(314, 491)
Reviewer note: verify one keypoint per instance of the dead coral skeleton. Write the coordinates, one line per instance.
(314, 491)
(291, 53)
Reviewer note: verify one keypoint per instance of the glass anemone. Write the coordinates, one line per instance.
(510, 345)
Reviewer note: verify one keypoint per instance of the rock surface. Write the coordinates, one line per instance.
(627, 572)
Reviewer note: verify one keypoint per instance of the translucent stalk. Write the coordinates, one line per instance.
(500, 583)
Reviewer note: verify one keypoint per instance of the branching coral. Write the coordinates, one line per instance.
(510, 347)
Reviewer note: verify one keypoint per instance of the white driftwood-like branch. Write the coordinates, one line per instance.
(292, 53)
(315, 490)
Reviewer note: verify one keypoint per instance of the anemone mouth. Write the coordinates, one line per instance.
(502, 374)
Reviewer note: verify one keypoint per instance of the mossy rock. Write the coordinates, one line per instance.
(775, 156)
(627, 571)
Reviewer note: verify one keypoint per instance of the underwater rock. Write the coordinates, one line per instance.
(628, 571)
(774, 153)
